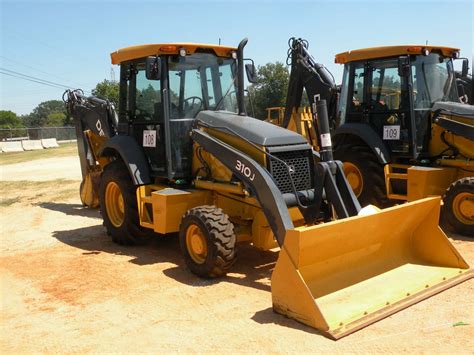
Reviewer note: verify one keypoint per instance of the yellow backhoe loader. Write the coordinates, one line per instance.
(397, 123)
(183, 156)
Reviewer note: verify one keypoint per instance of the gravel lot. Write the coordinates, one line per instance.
(65, 287)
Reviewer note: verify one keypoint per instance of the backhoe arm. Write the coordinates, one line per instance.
(307, 74)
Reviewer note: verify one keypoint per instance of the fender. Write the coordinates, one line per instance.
(368, 136)
(132, 155)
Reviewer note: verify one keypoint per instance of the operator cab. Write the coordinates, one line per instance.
(393, 90)
(162, 89)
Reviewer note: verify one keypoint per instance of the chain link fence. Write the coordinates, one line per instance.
(17, 134)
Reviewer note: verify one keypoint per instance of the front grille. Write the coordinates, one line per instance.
(299, 162)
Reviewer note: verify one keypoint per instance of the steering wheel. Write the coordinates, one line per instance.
(189, 106)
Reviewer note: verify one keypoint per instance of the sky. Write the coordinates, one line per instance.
(69, 42)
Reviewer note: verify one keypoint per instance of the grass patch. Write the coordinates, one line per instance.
(5, 202)
(37, 191)
(64, 150)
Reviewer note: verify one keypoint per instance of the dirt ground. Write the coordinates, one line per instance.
(65, 287)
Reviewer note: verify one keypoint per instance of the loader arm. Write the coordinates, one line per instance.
(330, 185)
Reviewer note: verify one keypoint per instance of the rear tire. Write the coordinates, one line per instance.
(207, 240)
(364, 173)
(458, 206)
(118, 206)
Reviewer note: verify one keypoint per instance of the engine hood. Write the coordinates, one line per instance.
(454, 108)
(258, 132)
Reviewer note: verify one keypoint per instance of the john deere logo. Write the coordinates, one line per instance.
(292, 169)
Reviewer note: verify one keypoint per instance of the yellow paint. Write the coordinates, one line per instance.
(354, 177)
(275, 115)
(463, 208)
(168, 206)
(262, 235)
(145, 50)
(389, 51)
(424, 181)
(88, 195)
(114, 204)
(96, 144)
(235, 188)
(196, 244)
(301, 122)
(343, 275)
(464, 145)
(219, 171)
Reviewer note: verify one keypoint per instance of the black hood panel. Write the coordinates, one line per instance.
(454, 108)
(258, 132)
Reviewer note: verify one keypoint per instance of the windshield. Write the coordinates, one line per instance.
(200, 82)
(433, 80)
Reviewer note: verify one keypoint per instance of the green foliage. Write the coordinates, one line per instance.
(39, 116)
(9, 119)
(107, 90)
(55, 119)
(270, 89)
(146, 99)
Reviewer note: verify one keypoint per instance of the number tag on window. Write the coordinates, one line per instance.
(149, 138)
(391, 133)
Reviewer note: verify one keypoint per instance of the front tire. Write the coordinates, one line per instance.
(458, 206)
(207, 240)
(364, 173)
(118, 206)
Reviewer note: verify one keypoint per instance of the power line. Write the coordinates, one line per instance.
(34, 79)
(37, 69)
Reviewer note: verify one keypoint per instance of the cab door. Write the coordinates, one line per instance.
(388, 105)
(146, 117)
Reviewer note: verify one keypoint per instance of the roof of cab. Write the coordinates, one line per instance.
(389, 51)
(145, 50)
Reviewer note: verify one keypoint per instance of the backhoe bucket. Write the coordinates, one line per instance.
(341, 276)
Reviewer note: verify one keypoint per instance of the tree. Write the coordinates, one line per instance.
(39, 116)
(270, 89)
(55, 119)
(9, 119)
(147, 98)
(107, 90)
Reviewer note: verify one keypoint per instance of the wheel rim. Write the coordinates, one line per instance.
(463, 208)
(114, 204)
(354, 177)
(196, 244)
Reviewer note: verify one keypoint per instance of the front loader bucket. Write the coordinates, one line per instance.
(341, 276)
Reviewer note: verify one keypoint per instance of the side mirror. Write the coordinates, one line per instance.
(153, 68)
(251, 73)
(465, 67)
(403, 66)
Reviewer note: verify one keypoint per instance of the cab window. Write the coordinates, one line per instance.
(147, 97)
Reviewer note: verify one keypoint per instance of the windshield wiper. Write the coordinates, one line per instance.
(227, 93)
